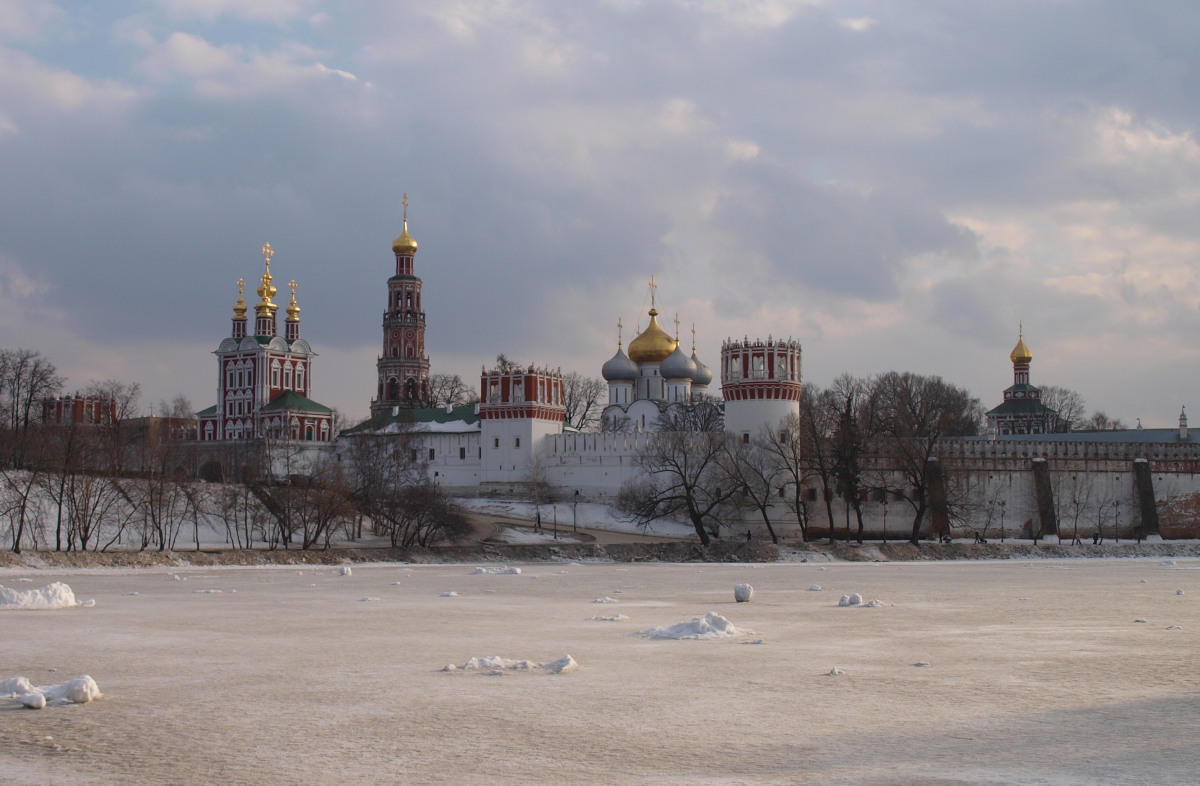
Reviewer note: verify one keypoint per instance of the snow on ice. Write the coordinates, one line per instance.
(855, 601)
(80, 690)
(494, 664)
(496, 571)
(51, 596)
(711, 626)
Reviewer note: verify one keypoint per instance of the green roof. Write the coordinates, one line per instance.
(427, 416)
(291, 401)
(207, 413)
(1022, 406)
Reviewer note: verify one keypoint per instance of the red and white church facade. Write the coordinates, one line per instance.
(264, 379)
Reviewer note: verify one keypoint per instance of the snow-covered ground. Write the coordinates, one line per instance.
(588, 515)
(1068, 672)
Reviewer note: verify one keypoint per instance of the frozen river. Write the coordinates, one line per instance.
(1037, 673)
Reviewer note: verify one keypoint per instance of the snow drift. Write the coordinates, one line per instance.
(494, 664)
(80, 690)
(51, 596)
(711, 626)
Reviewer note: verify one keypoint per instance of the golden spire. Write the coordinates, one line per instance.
(239, 308)
(405, 243)
(266, 290)
(293, 311)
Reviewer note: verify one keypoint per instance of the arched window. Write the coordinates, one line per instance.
(287, 376)
(393, 389)
(274, 373)
(300, 377)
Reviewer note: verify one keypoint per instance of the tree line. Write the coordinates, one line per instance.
(858, 436)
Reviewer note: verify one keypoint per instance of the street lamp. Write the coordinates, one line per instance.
(575, 512)
(555, 521)
(1003, 510)
(1117, 531)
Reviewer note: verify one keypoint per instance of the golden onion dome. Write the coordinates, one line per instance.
(293, 310)
(653, 345)
(405, 243)
(1021, 354)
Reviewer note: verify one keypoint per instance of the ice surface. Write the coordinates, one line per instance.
(52, 596)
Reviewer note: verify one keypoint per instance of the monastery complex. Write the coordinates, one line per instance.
(1031, 478)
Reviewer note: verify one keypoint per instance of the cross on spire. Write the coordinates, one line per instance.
(619, 326)
(404, 201)
(653, 289)
(267, 253)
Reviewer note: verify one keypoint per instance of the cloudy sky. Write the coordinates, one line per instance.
(898, 185)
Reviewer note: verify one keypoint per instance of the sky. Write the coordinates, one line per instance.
(897, 185)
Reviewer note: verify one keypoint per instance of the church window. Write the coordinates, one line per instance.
(324, 429)
(275, 373)
(229, 378)
(462, 454)
(431, 454)
(308, 432)
(393, 389)
(745, 438)
(299, 377)
(287, 376)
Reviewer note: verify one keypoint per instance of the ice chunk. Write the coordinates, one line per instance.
(743, 593)
(51, 596)
(710, 626)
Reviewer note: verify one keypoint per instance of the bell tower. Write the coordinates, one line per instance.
(403, 367)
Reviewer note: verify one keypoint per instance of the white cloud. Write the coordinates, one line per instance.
(27, 19)
(858, 24)
(233, 71)
(266, 10)
(28, 84)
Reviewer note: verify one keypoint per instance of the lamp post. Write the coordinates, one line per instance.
(575, 512)
(1003, 510)
(1117, 529)
(555, 521)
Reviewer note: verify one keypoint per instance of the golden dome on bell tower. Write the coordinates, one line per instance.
(405, 244)
(653, 345)
(1020, 356)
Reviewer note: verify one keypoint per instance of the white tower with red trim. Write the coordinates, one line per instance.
(517, 410)
(761, 384)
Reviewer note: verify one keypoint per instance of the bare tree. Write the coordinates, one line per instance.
(506, 366)
(1101, 421)
(683, 478)
(914, 413)
(756, 476)
(581, 397)
(788, 448)
(1067, 403)
(26, 378)
(449, 390)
